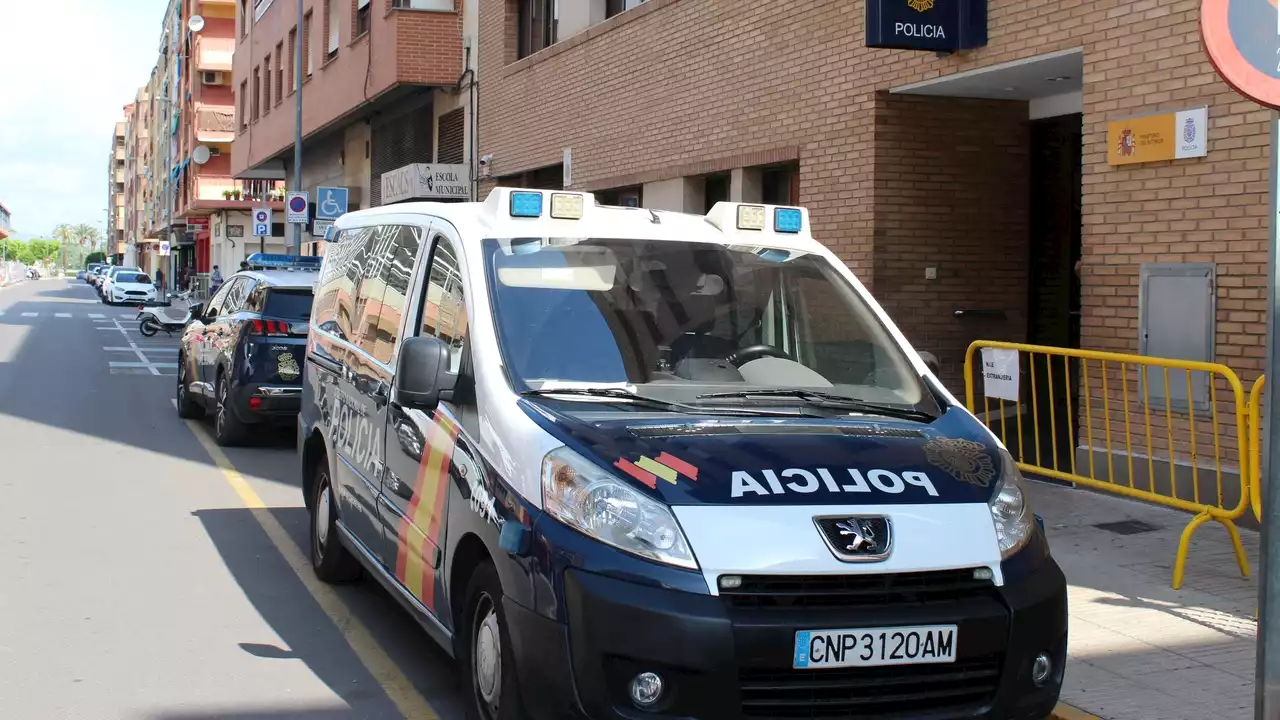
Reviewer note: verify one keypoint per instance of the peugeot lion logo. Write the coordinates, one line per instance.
(857, 538)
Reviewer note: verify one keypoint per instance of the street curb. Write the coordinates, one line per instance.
(1064, 711)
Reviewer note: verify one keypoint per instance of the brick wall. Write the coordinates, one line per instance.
(950, 193)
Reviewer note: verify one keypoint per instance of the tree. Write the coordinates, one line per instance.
(96, 256)
(85, 235)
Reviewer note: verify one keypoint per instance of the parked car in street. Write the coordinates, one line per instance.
(90, 272)
(104, 287)
(242, 355)
(131, 287)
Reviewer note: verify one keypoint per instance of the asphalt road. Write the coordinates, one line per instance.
(146, 574)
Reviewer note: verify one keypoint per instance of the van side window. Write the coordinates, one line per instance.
(332, 278)
(395, 279)
(235, 301)
(444, 310)
(218, 300)
(368, 307)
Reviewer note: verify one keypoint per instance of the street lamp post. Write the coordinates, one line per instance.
(297, 128)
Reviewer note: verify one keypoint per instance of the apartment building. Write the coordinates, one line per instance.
(384, 94)
(140, 250)
(6, 222)
(960, 173)
(115, 240)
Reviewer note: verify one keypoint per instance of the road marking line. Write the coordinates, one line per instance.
(96, 316)
(144, 348)
(62, 315)
(30, 314)
(399, 690)
(152, 365)
(1064, 711)
(134, 346)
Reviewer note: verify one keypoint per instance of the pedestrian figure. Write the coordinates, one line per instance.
(160, 279)
(215, 280)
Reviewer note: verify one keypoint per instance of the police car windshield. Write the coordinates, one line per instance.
(677, 320)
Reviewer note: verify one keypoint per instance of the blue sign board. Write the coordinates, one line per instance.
(934, 25)
(331, 202)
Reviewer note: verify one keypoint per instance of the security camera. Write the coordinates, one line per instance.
(486, 159)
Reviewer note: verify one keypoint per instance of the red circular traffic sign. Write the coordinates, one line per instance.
(298, 204)
(1242, 39)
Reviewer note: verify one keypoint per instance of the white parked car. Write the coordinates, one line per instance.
(104, 287)
(130, 286)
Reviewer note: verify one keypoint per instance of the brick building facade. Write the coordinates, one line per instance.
(961, 188)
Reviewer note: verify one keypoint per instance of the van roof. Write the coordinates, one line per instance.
(496, 218)
(284, 279)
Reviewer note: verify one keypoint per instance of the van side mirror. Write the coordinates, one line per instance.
(931, 362)
(196, 309)
(422, 372)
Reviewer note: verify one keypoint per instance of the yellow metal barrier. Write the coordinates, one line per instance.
(1255, 446)
(1098, 403)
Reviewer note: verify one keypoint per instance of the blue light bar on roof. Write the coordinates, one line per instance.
(273, 261)
(787, 220)
(526, 204)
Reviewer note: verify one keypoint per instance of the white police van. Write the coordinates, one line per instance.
(625, 463)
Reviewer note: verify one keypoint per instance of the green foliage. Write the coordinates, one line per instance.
(96, 256)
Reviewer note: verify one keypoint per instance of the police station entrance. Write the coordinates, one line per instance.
(980, 216)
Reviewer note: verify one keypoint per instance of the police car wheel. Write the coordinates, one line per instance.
(329, 558)
(227, 428)
(486, 651)
(188, 409)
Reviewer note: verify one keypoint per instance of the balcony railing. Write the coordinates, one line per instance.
(215, 121)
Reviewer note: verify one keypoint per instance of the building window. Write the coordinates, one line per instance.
(306, 42)
(614, 7)
(364, 13)
(266, 84)
(535, 26)
(293, 49)
(244, 18)
(780, 184)
(333, 35)
(279, 86)
(257, 94)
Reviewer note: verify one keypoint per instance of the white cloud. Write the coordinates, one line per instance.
(66, 80)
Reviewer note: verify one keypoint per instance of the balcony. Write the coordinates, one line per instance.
(215, 53)
(215, 125)
(224, 193)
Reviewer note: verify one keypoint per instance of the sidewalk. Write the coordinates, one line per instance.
(1138, 649)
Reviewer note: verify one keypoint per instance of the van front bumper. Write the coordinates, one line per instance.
(729, 657)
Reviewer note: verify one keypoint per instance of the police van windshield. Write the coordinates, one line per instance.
(683, 319)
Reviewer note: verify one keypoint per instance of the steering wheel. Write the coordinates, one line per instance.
(742, 356)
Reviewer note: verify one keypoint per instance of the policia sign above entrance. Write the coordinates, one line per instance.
(934, 25)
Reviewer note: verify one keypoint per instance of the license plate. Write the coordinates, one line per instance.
(870, 647)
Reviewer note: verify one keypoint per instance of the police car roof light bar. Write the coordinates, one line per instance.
(787, 220)
(566, 206)
(274, 261)
(751, 217)
(526, 204)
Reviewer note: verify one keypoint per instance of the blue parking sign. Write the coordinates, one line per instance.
(331, 202)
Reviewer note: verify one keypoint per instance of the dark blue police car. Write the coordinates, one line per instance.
(243, 353)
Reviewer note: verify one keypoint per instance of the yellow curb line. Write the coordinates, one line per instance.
(1066, 712)
(384, 670)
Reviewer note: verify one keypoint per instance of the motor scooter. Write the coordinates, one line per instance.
(154, 317)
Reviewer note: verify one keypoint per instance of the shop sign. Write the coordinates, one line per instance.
(235, 231)
(1000, 373)
(425, 181)
(934, 25)
(1163, 136)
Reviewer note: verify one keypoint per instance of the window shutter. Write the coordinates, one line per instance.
(334, 40)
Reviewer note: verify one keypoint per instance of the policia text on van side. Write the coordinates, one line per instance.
(635, 464)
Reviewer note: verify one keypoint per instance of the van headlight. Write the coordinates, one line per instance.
(1011, 509)
(589, 499)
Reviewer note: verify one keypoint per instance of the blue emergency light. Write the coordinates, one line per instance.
(526, 204)
(787, 220)
(274, 261)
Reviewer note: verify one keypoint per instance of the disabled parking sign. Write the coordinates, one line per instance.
(331, 202)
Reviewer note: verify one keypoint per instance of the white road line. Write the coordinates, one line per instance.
(62, 315)
(96, 316)
(30, 314)
(151, 365)
(136, 350)
(143, 348)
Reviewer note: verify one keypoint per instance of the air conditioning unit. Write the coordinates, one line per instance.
(211, 77)
(214, 152)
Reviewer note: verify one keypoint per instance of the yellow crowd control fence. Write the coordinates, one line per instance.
(1255, 445)
(1171, 432)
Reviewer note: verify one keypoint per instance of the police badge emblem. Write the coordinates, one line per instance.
(287, 366)
(964, 460)
(920, 5)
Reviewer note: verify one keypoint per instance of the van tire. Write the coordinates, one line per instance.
(483, 616)
(330, 559)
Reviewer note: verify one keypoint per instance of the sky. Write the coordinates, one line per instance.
(64, 82)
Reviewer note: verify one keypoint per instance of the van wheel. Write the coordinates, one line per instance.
(332, 562)
(492, 689)
(188, 409)
(227, 428)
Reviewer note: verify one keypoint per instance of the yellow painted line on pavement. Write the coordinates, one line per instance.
(406, 697)
(1066, 712)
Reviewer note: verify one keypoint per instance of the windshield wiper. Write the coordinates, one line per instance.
(630, 397)
(832, 401)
